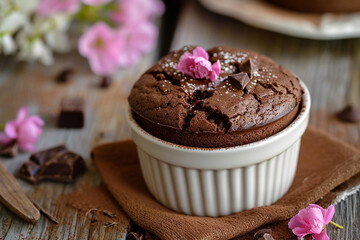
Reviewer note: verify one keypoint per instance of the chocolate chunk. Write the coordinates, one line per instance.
(263, 234)
(71, 113)
(28, 170)
(42, 156)
(56, 164)
(239, 80)
(248, 67)
(65, 75)
(105, 82)
(9, 150)
(349, 114)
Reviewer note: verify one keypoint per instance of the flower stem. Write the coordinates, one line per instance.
(336, 225)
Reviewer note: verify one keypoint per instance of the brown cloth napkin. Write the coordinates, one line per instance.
(324, 163)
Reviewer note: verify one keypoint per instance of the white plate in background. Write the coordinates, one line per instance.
(267, 16)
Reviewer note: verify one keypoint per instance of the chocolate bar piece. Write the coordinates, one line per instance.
(71, 113)
(56, 164)
(9, 150)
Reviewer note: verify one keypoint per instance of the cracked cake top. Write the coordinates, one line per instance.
(250, 91)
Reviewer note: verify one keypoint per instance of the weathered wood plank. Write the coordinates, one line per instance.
(33, 85)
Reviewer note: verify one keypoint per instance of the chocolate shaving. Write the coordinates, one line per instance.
(239, 80)
(109, 214)
(46, 213)
(248, 67)
(93, 220)
(110, 224)
(263, 234)
(9, 150)
(91, 211)
(105, 82)
(134, 236)
(65, 75)
(349, 114)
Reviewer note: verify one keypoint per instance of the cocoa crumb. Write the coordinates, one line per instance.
(110, 224)
(109, 214)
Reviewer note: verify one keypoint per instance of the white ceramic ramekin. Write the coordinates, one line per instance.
(221, 181)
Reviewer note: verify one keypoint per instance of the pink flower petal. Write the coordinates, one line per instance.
(329, 214)
(36, 120)
(28, 133)
(22, 115)
(198, 66)
(49, 7)
(95, 2)
(321, 236)
(25, 130)
(300, 232)
(200, 52)
(137, 38)
(128, 11)
(11, 129)
(216, 67)
(101, 45)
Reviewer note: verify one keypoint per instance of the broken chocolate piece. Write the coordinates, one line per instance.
(105, 82)
(55, 164)
(248, 67)
(9, 150)
(28, 170)
(240, 80)
(263, 234)
(42, 156)
(65, 75)
(349, 114)
(71, 113)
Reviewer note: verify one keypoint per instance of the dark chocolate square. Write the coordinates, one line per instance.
(71, 113)
(56, 164)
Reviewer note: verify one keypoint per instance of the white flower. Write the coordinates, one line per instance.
(33, 48)
(57, 40)
(7, 44)
(54, 30)
(15, 14)
(12, 22)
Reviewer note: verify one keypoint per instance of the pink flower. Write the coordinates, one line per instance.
(138, 38)
(197, 65)
(100, 44)
(95, 2)
(137, 10)
(312, 220)
(25, 129)
(48, 7)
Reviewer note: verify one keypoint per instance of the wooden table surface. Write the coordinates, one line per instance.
(331, 70)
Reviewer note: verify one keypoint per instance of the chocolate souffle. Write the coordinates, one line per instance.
(252, 99)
